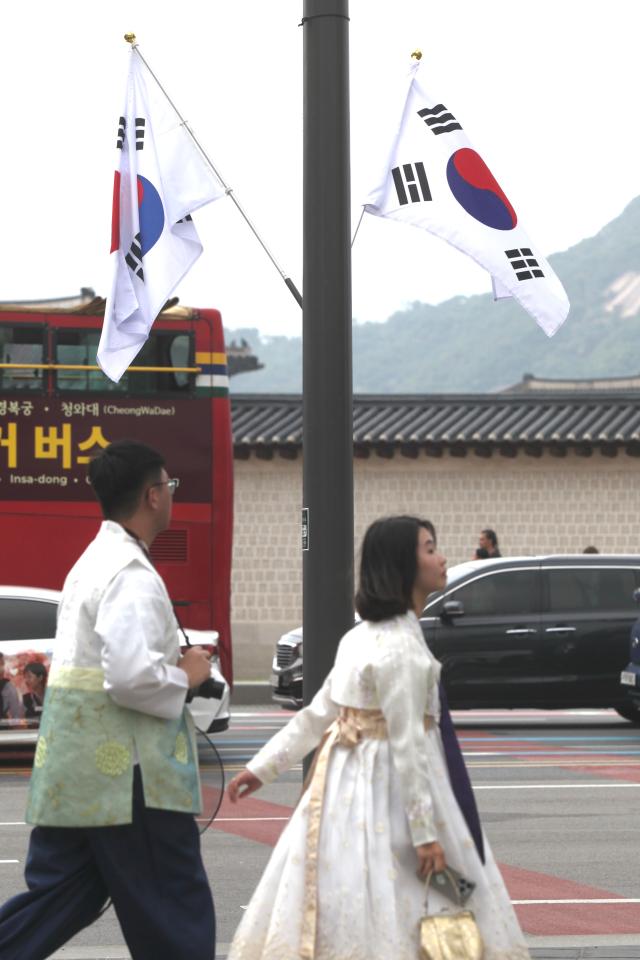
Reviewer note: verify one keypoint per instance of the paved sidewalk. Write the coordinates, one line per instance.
(621, 952)
(115, 952)
(582, 952)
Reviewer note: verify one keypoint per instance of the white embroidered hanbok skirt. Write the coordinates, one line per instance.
(368, 899)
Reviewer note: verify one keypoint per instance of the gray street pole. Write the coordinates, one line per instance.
(326, 341)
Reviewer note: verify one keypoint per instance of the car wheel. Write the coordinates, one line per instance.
(630, 712)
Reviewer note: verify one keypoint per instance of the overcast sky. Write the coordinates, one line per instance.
(547, 92)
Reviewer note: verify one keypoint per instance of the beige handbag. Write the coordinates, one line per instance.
(450, 936)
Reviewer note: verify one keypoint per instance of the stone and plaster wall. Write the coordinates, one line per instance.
(536, 505)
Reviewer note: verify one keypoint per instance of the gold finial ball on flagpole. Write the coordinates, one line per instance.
(131, 38)
(416, 55)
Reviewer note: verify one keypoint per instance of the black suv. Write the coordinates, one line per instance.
(630, 676)
(547, 632)
(536, 632)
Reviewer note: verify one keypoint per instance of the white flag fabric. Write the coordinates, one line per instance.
(161, 179)
(434, 179)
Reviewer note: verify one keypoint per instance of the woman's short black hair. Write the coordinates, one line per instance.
(388, 567)
(119, 475)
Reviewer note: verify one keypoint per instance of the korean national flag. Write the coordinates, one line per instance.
(161, 178)
(432, 178)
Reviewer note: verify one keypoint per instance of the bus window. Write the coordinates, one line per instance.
(78, 348)
(163, 349)
(23, 345)
(180, 355)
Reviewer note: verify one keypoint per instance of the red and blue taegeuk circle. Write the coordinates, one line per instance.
(150, 214)
(477, 190)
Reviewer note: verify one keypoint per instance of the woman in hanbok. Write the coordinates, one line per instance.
(389, 800)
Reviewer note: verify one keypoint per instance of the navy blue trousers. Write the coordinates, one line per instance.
(152, 870)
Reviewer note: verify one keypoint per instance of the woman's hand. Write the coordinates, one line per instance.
(242, 785)
(430, 859)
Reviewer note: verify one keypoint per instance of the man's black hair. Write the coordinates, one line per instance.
(388, 567)
(119, 475)
(491, 536)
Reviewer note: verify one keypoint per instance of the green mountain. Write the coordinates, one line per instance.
(471, 344)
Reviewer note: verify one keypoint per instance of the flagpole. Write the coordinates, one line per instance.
(357, 228)
(131, 39)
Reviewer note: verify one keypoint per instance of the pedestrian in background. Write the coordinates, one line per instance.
(389, 799)
(10, 706)
(591, 549)
(115, 783)
(488, 541)
(35, 678)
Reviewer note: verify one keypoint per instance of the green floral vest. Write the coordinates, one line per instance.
(83, 768)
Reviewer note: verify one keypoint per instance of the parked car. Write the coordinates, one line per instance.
(630, 676)
(286, 670)
(27, 634)
(548, 632)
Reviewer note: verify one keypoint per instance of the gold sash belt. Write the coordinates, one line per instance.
(352, 726)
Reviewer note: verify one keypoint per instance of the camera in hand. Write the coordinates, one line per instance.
(209, 689)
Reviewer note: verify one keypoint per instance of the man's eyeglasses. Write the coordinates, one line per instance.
(172, 484)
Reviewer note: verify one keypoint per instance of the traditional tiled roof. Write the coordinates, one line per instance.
(504, 423)
(530, 383)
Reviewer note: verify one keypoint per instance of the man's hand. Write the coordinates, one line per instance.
(195, 664)
(430, 859)
(242, 785)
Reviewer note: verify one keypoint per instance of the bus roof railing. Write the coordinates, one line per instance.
(79, 366)
(88, 305)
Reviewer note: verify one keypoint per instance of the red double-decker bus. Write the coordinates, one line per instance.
(57, 409)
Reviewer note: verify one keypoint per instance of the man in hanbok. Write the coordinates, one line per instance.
(115, 782)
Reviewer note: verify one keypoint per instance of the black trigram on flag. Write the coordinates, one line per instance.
(134, 258)
(122, 126)
(140, 123)
(411, 179)
(187, 219)
(122, 129)
(438, 119)
(524, 263)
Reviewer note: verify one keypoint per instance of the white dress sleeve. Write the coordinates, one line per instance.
(401, 676)
(300, 736)
(131, 623)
